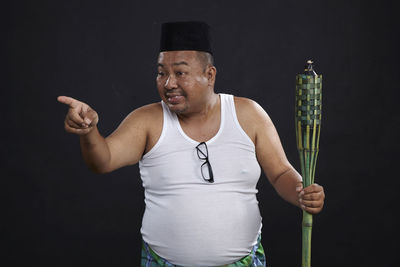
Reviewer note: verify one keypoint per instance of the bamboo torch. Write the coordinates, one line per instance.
(308, 127)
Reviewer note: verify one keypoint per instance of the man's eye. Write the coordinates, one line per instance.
(160, 73)
(179, 73)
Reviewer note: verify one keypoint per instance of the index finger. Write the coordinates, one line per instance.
(72, 102)
(313, 188)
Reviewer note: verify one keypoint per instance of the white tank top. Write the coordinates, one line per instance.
(187, 220)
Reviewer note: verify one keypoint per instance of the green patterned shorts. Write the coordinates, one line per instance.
(256, 258)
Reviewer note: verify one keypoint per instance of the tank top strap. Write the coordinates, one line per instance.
(171, 121)
(232, 121)
(167, 115)
(167, 129)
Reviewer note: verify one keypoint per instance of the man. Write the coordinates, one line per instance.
(199, 155)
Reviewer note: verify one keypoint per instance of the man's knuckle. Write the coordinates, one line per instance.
(314, 187)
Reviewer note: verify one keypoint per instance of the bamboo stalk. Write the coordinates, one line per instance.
(308, 128)
(306, 239)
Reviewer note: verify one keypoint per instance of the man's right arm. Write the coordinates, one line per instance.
(95, 151)
(125, 146)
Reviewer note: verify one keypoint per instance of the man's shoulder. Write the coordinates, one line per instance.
(250, 113)
(243, 101)
(146, 115)
(247, 106)
(148, 111)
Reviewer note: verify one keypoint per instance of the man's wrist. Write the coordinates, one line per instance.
(90, 137)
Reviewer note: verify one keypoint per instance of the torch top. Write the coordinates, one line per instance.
(309, 69)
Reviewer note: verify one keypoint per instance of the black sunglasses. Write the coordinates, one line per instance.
(202, 153)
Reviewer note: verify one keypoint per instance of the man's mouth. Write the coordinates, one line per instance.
(174, 98)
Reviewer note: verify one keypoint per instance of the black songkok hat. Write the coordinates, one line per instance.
(185, 35)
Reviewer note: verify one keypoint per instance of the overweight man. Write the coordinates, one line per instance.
(200, 156)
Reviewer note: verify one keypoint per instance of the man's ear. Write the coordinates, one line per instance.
(211, 74)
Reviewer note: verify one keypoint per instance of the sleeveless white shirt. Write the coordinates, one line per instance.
(187, 220)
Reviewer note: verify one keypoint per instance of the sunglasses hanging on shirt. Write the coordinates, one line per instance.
(206, 170)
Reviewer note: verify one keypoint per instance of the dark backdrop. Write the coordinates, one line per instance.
(55, 212)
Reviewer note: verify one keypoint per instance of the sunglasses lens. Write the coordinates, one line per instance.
(206, 170)
(202, 151)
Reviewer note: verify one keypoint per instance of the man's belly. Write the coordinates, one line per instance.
(198, 229)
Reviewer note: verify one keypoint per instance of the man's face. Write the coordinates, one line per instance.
(181, 81)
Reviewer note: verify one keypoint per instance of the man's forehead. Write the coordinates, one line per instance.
(177, 57)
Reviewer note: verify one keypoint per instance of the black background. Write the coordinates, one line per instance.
(55, 212)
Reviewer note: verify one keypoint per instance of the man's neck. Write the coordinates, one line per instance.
(204, 125)
(210, 108)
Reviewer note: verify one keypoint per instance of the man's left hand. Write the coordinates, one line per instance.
(311, 198)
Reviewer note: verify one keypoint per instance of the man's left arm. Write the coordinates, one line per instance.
(281, 174)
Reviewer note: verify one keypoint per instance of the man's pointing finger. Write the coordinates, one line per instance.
(73, 103)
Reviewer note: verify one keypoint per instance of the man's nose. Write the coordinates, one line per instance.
(170, 83)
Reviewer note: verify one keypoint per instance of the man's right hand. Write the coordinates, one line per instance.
(81, 118)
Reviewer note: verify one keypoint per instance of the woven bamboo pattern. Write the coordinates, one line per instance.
(308, 127)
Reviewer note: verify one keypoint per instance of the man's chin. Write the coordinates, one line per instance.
(178, 109)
